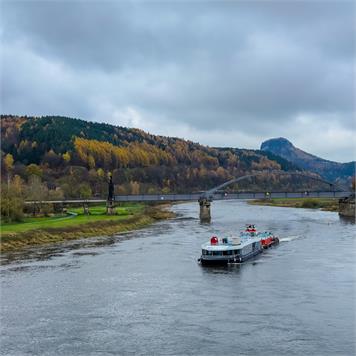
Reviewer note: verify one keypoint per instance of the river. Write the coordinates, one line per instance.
(144, 293)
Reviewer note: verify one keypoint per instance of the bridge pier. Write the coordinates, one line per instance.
(205, 214)
(347, 206)
(110, 210)
(110, 202)
(85, 208)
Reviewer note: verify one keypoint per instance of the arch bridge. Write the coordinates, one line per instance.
(207, 197)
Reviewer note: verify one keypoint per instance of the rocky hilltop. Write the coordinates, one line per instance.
(329, 170)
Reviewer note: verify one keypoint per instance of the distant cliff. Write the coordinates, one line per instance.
(329, 170)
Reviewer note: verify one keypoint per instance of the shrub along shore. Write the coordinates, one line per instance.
(46, 230)
(327, 204)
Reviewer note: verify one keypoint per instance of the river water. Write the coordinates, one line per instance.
(144, 293)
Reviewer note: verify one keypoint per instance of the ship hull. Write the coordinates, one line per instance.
(221, 261)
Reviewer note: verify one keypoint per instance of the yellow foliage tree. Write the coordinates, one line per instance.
(66, 156)
(135, 187)
(9, 162)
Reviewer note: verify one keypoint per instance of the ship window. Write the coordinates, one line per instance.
(217, 253)
(237, 252)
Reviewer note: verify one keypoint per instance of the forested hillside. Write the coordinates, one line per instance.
(63, 157)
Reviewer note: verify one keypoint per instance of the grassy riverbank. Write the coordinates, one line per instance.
(328, 204)
(76, 225)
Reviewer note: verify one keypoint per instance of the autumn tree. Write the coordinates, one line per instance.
(12, 199)
(84, 191)
(36, 190)
(33, 170)
(66, 157)
(9, 162)
(135, 187)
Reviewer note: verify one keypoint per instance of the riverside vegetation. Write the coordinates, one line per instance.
(74, 225)
(328, 204)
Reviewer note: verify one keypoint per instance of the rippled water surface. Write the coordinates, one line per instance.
(145, 293)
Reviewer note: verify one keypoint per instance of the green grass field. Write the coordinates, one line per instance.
(97, 213)
(36, 231)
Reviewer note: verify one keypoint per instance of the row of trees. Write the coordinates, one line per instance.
(37, 183)
(93, 153)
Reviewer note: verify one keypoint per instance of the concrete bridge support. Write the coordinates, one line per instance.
(85, 208)
(110, 210)
(205, 215)
(347, 206)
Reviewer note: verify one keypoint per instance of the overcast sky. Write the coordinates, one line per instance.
(231, 73)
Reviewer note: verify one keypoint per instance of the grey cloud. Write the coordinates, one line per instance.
(253, 68)
(104, 34)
